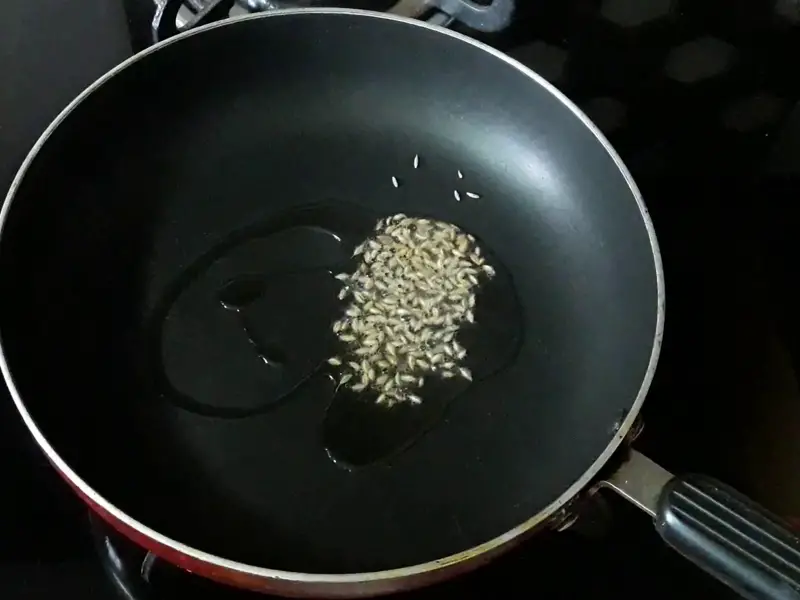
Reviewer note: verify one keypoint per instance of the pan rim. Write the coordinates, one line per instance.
(344, 578)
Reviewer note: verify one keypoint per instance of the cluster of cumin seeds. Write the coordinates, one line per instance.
(412, 291)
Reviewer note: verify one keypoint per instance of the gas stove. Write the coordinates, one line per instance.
(676, 86)
(693, 96)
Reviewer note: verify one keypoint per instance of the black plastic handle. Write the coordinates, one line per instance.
(729, 536)
(721, 531)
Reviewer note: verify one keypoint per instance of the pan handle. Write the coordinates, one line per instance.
(723, 532)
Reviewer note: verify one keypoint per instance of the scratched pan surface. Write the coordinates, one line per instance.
(264, 152)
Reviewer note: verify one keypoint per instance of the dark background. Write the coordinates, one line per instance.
(700, 102)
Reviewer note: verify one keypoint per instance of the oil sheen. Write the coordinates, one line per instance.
(246, 329)
(358, 432)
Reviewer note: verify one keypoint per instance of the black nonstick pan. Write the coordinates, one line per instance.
(196, 417)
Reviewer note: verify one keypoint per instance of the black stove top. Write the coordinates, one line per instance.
(691, 94)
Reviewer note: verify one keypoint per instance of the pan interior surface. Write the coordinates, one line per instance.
(128, 203)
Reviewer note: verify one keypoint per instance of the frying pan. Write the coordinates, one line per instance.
(265, 149)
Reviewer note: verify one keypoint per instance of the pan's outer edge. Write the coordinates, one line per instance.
(345, 580)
